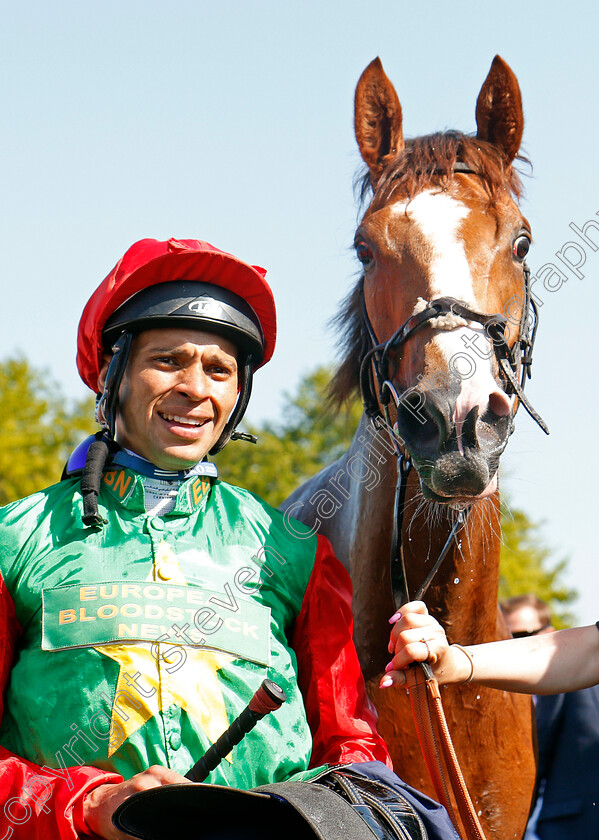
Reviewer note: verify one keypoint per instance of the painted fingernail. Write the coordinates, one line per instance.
(389, 666)
(386, 682)
(395, 617)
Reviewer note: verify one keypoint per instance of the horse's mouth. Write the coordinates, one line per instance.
(459, 469)
(459, 479)
(458, 500)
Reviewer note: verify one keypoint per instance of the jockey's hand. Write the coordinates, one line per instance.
(100, 804)
(417, 637)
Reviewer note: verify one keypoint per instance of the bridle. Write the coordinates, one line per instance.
(378, 391)
(376, 385)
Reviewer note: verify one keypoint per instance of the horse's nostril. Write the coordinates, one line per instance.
(414, 427)
(414, 402)
(500, 404)
(421, 420)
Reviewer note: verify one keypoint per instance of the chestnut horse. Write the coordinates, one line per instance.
(442, 246)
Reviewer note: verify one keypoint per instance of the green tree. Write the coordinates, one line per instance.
(527, 565)
(38, 429)
(311, 436)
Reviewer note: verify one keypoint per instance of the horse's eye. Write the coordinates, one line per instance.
(364, 254)
(521, 247)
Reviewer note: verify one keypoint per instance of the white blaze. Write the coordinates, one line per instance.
(439, 217)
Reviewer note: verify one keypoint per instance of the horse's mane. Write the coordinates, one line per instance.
(424, 162)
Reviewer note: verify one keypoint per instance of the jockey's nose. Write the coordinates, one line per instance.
(194, 383)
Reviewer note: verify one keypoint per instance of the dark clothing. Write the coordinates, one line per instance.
(435, 817)
(568, 731)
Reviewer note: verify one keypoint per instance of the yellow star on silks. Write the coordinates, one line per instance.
(194, 686)
(166, 675)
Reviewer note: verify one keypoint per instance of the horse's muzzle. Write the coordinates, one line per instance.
(454, 461)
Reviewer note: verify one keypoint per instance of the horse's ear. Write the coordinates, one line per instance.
(377, 119)
(499, 117)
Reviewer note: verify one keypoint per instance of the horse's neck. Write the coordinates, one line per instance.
(352, 503)
(463, 594)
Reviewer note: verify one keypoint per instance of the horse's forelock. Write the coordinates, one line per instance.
(429, 161)
(425, 162)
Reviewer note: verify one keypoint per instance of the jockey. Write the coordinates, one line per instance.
(143, 600)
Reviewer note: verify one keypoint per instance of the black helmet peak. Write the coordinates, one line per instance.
(189, 303)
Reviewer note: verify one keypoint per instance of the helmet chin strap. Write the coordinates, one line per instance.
(107, 404)
(104, 446)
(245, 392)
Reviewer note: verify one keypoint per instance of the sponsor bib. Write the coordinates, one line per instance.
(92, 614)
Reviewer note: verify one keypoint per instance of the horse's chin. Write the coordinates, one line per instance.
(459, 500)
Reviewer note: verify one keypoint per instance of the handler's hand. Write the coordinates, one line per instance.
(100, 804)
(418, 637)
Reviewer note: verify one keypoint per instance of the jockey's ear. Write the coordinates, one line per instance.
(106, 357)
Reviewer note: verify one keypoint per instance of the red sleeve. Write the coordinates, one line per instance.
(341, 717)
(36, 803)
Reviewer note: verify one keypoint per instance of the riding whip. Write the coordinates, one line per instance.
(268, 698)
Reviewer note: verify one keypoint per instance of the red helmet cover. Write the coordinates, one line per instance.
(149, 262)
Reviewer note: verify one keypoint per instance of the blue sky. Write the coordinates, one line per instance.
(232, 122)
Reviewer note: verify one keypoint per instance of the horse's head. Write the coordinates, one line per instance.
(443, 223)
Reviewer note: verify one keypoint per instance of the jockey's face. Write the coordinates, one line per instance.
(179, 388)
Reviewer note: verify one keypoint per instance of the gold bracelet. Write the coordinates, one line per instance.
(470, 659)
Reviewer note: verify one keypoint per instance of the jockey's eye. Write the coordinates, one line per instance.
(363, 253)
(521, 247)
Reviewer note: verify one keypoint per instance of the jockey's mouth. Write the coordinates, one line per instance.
(184, 421)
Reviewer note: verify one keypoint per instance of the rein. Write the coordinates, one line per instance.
(399, 581)
(422, 688)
